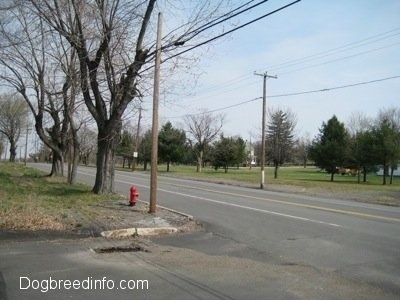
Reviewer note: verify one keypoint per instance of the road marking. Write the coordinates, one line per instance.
(236, 205)
(341, 211)
(251, 208)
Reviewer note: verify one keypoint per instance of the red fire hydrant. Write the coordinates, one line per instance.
(134, 195)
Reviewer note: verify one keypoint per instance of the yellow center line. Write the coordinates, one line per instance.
(341, 211)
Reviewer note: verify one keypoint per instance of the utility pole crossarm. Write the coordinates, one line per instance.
(266, 75)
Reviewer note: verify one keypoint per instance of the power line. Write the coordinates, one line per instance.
(371, 39)
(229, 16)
(340, 58)
(232, 30)
(223, 108)
(334, 88)
(345, 47)
(211, 22)
(223, 34)
(294, 94)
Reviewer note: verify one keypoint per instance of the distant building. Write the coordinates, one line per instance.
(396, 171)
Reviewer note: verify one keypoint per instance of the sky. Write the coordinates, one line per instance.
(312, 45)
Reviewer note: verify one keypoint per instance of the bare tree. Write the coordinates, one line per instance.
(302, 148)
(2, 144)
(358, 122)
(114, 40)
(88, 143)
(13, 116)
(94, 30)
(203, 129)
(387, 135)
(38, 66)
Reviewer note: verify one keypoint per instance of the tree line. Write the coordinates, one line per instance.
(363, 145)
(360, 146)
(366, 144)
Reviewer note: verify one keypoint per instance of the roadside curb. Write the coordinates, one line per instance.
(138, 231)
(190, 217)
(145, 231)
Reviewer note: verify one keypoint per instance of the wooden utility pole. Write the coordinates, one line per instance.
(26, 144)
(137, 139)
(156, 96)
(264, 112)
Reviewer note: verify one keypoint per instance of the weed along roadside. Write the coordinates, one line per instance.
(32, 202)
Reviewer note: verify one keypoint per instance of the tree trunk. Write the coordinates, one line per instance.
(385, 171)
(105, 162)
(391, 175)
(199, 162)
(102, 162)
(75, 160)
(332, 174)
(276, 171)
(365, 175)
(57, 165)
(167, 166)
(13, 151)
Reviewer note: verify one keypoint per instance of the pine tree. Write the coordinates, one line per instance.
(280, 137)
(329, 149)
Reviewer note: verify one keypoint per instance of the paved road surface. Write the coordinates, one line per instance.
(317, 248)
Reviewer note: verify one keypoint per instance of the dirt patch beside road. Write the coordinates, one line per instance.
(112, 215)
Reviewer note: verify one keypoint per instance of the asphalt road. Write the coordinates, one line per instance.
(352, 247)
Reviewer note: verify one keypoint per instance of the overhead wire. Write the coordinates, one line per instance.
(339, 59)
(295, 94)
(230, 31)
(227, 16)
(222, 34)
(345, 47)
(211, 22)
(309, 58)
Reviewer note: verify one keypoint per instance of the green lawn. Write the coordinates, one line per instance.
(309, 177)
(284, 174)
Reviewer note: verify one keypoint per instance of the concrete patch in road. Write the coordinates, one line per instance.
(147, 231)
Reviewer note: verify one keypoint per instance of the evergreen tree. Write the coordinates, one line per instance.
(228, 151)
(280, 137)
(171, 144)
(145, 148)
(329, 149)
(386, 145)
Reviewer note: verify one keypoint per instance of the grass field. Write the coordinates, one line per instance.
(308, 177)
(31, 200)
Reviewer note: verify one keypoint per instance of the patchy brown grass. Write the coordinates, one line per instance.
(28, 217)
(30, 200)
